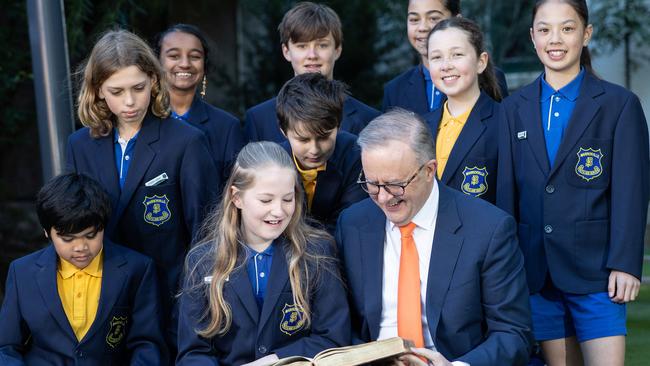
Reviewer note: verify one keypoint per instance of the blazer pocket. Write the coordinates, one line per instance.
(160, 208)
(588, 165)
(590, 248)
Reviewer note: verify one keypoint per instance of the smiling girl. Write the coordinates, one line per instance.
(465, 127)
(263, 284)
(573, 170)
(156, 170)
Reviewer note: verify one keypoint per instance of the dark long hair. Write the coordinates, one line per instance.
(580, 7)
(487, 80)
(188, 29)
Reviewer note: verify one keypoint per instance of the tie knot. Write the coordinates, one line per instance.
(407, 230)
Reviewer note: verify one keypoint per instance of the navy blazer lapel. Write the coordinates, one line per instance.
(372, 236)
(433, 121)
(241, 285)
(277, 281)
(444, 255)
(46, 275)
(143, 156)
(327, 185)
(471, 132)
(585, 110)
(198, 114)
(417, 100)
(530, 117)
(105, 159)
(113, 280)
(349, 109)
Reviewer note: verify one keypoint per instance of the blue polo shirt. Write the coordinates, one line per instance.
(557, 107)
(258, 267)
(183, 117)
(434, 97)
(123, 154)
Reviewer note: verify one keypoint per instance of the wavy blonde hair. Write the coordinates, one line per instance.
(222, 237)
(115, 50)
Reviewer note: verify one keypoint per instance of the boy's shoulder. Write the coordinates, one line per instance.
(346, 149)
(217, 115)
(267, 107)
(39, 257)
(403, 77)
(353, 104)
(132, 257)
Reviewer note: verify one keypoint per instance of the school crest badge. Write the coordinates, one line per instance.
(292, 319)
(156, 210)
(589, 164)
(117, 331)
(474, 181)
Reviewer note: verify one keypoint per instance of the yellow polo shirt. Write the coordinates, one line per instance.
(79, 290)
(448, 132)
(309, 180)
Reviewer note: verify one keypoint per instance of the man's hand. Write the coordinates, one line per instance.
(264, 361)
(623, 287)
(423, 357)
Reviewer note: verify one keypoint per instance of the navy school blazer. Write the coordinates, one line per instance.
(336, 186)
(224, 133)
(156, 220)
(585, 215)
(126, 329)
(261, 121)
(276, 328)
(477, 301)
(472, 164)
(408, 91)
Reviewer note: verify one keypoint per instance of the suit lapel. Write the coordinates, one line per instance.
(444, 255)
(277, 282)
(530, 117)
(113, 280)
(241, 285)
(46, 275)
(585, 110)
(143, 156)
(433, 121)
(105, 160)
(198, 114)
(327, 185)
(416, 100)
(471, 132)
(372, 237)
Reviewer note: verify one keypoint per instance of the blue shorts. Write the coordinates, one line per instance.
(558, 315)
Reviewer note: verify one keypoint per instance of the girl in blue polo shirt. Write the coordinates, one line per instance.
(573, 170)
(263, 284)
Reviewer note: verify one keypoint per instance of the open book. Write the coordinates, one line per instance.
(352, 355)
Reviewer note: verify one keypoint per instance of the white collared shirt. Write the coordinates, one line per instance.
(425, 221)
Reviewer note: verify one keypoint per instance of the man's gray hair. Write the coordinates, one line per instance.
(399, 125)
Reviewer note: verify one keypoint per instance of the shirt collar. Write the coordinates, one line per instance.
(569, 91)
(268, 252)
(67, 269)
(185, 116)
(116, 136)
(461, 118)
(426, 217)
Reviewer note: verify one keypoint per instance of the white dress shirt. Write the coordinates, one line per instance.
(425, 221)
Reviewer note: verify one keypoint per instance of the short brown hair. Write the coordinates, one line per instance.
(314, 101)
(114, 51)
(308, 21)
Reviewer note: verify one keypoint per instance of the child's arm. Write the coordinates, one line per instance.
(630, 184)
(14, 333)
(145, 340)
(330, 322)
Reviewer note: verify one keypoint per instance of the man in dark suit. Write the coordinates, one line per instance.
(426, 262)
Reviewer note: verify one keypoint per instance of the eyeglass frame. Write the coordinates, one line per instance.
(402, 185)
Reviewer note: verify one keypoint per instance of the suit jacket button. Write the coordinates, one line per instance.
(548, 229)
(550, 189)
(261, 349)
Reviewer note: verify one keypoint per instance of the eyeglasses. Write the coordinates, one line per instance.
(395, 189)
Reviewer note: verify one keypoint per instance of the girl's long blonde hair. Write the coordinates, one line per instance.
(114, 51)
(222, 251)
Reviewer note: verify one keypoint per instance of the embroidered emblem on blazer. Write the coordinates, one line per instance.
(156, 210)
(589, 164)
(292, 319)
(117, 331)
(474, 181)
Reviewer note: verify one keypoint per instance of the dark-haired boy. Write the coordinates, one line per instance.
(329, 162)
(312, 38)
(82, 300)
(414, 90)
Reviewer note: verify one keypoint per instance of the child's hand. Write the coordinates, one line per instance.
(623, 287)
(264, 361)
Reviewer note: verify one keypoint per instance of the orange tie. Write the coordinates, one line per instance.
(409, 311)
